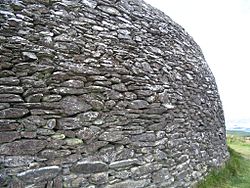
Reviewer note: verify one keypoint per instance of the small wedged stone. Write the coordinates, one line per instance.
(39, 174)
(88, 167)
(29, 56)
(51, 124)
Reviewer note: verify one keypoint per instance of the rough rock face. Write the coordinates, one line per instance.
(103, 93)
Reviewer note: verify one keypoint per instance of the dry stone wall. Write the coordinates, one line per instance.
(103, 93)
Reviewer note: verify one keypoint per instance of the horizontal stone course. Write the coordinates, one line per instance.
(104, 93)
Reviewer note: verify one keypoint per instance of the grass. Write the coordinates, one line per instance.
(236, 172)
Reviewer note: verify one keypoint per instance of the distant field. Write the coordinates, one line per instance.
(238, 133)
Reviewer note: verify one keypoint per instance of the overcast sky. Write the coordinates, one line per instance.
(222, 29)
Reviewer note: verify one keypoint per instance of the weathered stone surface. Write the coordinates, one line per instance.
(138, 104)
(51, 124)
(48, 153)
(39, 174)
(162, 175)
(99, 178)
(73, 141)
(104, 93)
(74, 105)
(9, 136)
(111, 136)
(86, 133)
(147, 168)
(119, 87)
(8, 125)
(68, 123)
(9, 81)
(29, 56)
(109, 10)
(11, 113)
(11, 89)
(31, 123)
(123, 163)
(87, 167)
(88, 116)
(58, 136)
(17, 161)
(52, 98)
(130, 183)
(24, 147)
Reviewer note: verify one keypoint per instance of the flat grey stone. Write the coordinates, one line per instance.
(123, 163)
(130, 184)
(17, 161)
(138, 104)
(111, 136)
(73, 105)
(88, 116)
(109, 10)
(9, 136)
(12, 81)
(90, 3)
(11, 113)
(39, 174)
(68, 123)
(99, 178)
(11, 89)
(23, 147)
(88, 167)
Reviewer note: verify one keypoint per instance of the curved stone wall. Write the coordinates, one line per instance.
(103, 93)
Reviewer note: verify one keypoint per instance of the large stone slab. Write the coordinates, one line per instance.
(73, 105)
(9, 136)
(11, 113)
(39, 174)
(23, 147)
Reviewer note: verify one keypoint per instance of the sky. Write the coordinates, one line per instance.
(222, 30)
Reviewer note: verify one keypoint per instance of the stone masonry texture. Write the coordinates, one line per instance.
(104, 94)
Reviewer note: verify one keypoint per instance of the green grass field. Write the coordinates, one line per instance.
(236, 173)
(238, 133)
